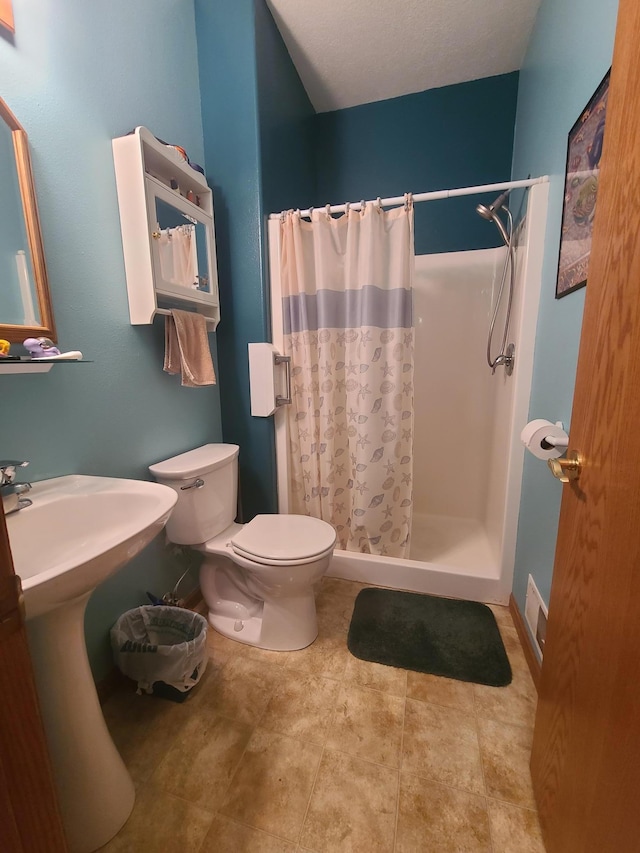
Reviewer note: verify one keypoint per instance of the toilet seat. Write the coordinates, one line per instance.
(284, 540)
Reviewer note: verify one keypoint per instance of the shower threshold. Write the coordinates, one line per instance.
(451, 557)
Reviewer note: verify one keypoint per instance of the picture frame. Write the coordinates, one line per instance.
(584, 150)
(6, 15)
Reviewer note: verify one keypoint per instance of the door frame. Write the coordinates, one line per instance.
(586, 750)
(27, 792)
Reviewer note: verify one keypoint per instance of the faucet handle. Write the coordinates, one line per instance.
(8, 470)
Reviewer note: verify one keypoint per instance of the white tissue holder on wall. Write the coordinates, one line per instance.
(158, 191)
(269, 379)
(544, 439)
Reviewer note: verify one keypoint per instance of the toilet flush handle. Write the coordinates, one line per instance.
(197, 484)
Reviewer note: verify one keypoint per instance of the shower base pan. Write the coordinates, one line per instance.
(451, 557)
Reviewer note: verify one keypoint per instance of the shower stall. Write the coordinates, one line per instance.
(468, 459)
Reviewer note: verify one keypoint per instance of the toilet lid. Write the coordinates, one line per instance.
(284, 539)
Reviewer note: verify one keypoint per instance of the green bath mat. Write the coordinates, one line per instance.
(442, 636)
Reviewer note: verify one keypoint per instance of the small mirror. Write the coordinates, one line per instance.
(25, 303)
(181, 245)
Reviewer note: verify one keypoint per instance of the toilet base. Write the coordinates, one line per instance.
(285, 624)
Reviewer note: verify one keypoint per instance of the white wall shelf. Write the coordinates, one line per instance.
(168, 238)
(30, 366)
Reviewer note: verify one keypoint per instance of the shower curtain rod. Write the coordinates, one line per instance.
(432, 196)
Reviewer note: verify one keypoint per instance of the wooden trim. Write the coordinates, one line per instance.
(194, 600)
(535, 667)
(28, 803)
(34, 233)
(12, 332)
(585, 759)
(25, 759)
(9, 830)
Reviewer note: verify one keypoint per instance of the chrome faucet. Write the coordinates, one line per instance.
(10, 490)
(505, 358)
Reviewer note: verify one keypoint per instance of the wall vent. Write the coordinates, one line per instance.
(535, 614)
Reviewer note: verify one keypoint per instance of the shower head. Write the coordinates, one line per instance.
(488, 212)
(485, 212)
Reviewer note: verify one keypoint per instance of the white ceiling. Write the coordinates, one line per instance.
(350, 52)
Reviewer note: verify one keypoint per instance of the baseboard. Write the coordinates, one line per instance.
(114, 680)
(194, 601)
(525, 639)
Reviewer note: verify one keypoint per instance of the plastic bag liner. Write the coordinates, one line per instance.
(163, 644)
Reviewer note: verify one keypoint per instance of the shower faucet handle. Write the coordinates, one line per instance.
(505, 358)
(498, 361)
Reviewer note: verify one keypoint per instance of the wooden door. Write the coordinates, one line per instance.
(29, 817)
(586, 753)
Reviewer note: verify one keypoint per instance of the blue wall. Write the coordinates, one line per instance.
(455, 136)
(255, 117)
(569, 53)
(227, 61)
(79, 74)
(287, 122)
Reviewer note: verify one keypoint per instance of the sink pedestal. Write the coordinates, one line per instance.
(95, 792)
(77, 532)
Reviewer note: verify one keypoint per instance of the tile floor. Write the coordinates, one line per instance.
(316, 751)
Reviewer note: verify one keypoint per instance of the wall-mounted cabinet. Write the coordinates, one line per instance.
(166, 216)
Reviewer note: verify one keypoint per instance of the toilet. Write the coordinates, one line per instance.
(257, 578)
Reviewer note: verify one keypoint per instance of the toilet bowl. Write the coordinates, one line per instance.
(257, 578)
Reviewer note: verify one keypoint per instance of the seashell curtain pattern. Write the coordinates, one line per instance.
(347, 308)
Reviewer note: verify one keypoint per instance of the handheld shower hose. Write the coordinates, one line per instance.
(490, 213)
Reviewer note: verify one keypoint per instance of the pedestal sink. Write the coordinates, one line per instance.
(79, 531)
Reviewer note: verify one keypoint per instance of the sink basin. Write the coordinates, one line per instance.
(77, 532)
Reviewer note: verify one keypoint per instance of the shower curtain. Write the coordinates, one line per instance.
(348, 329)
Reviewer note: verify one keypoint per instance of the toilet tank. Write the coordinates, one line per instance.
(202, 511)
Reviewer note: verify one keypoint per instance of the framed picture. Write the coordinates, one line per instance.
(6, 15)
(580, 192)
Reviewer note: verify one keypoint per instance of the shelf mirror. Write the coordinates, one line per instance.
(181, 249)
(25, 302)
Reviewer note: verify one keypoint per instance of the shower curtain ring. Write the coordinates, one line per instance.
(328, 211)
(363, 206)
(311, 209)
(379, 205)
(347, 207)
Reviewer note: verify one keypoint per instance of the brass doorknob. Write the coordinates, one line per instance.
(567, 469)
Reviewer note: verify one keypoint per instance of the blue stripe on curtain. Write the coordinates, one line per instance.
(330, 309)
